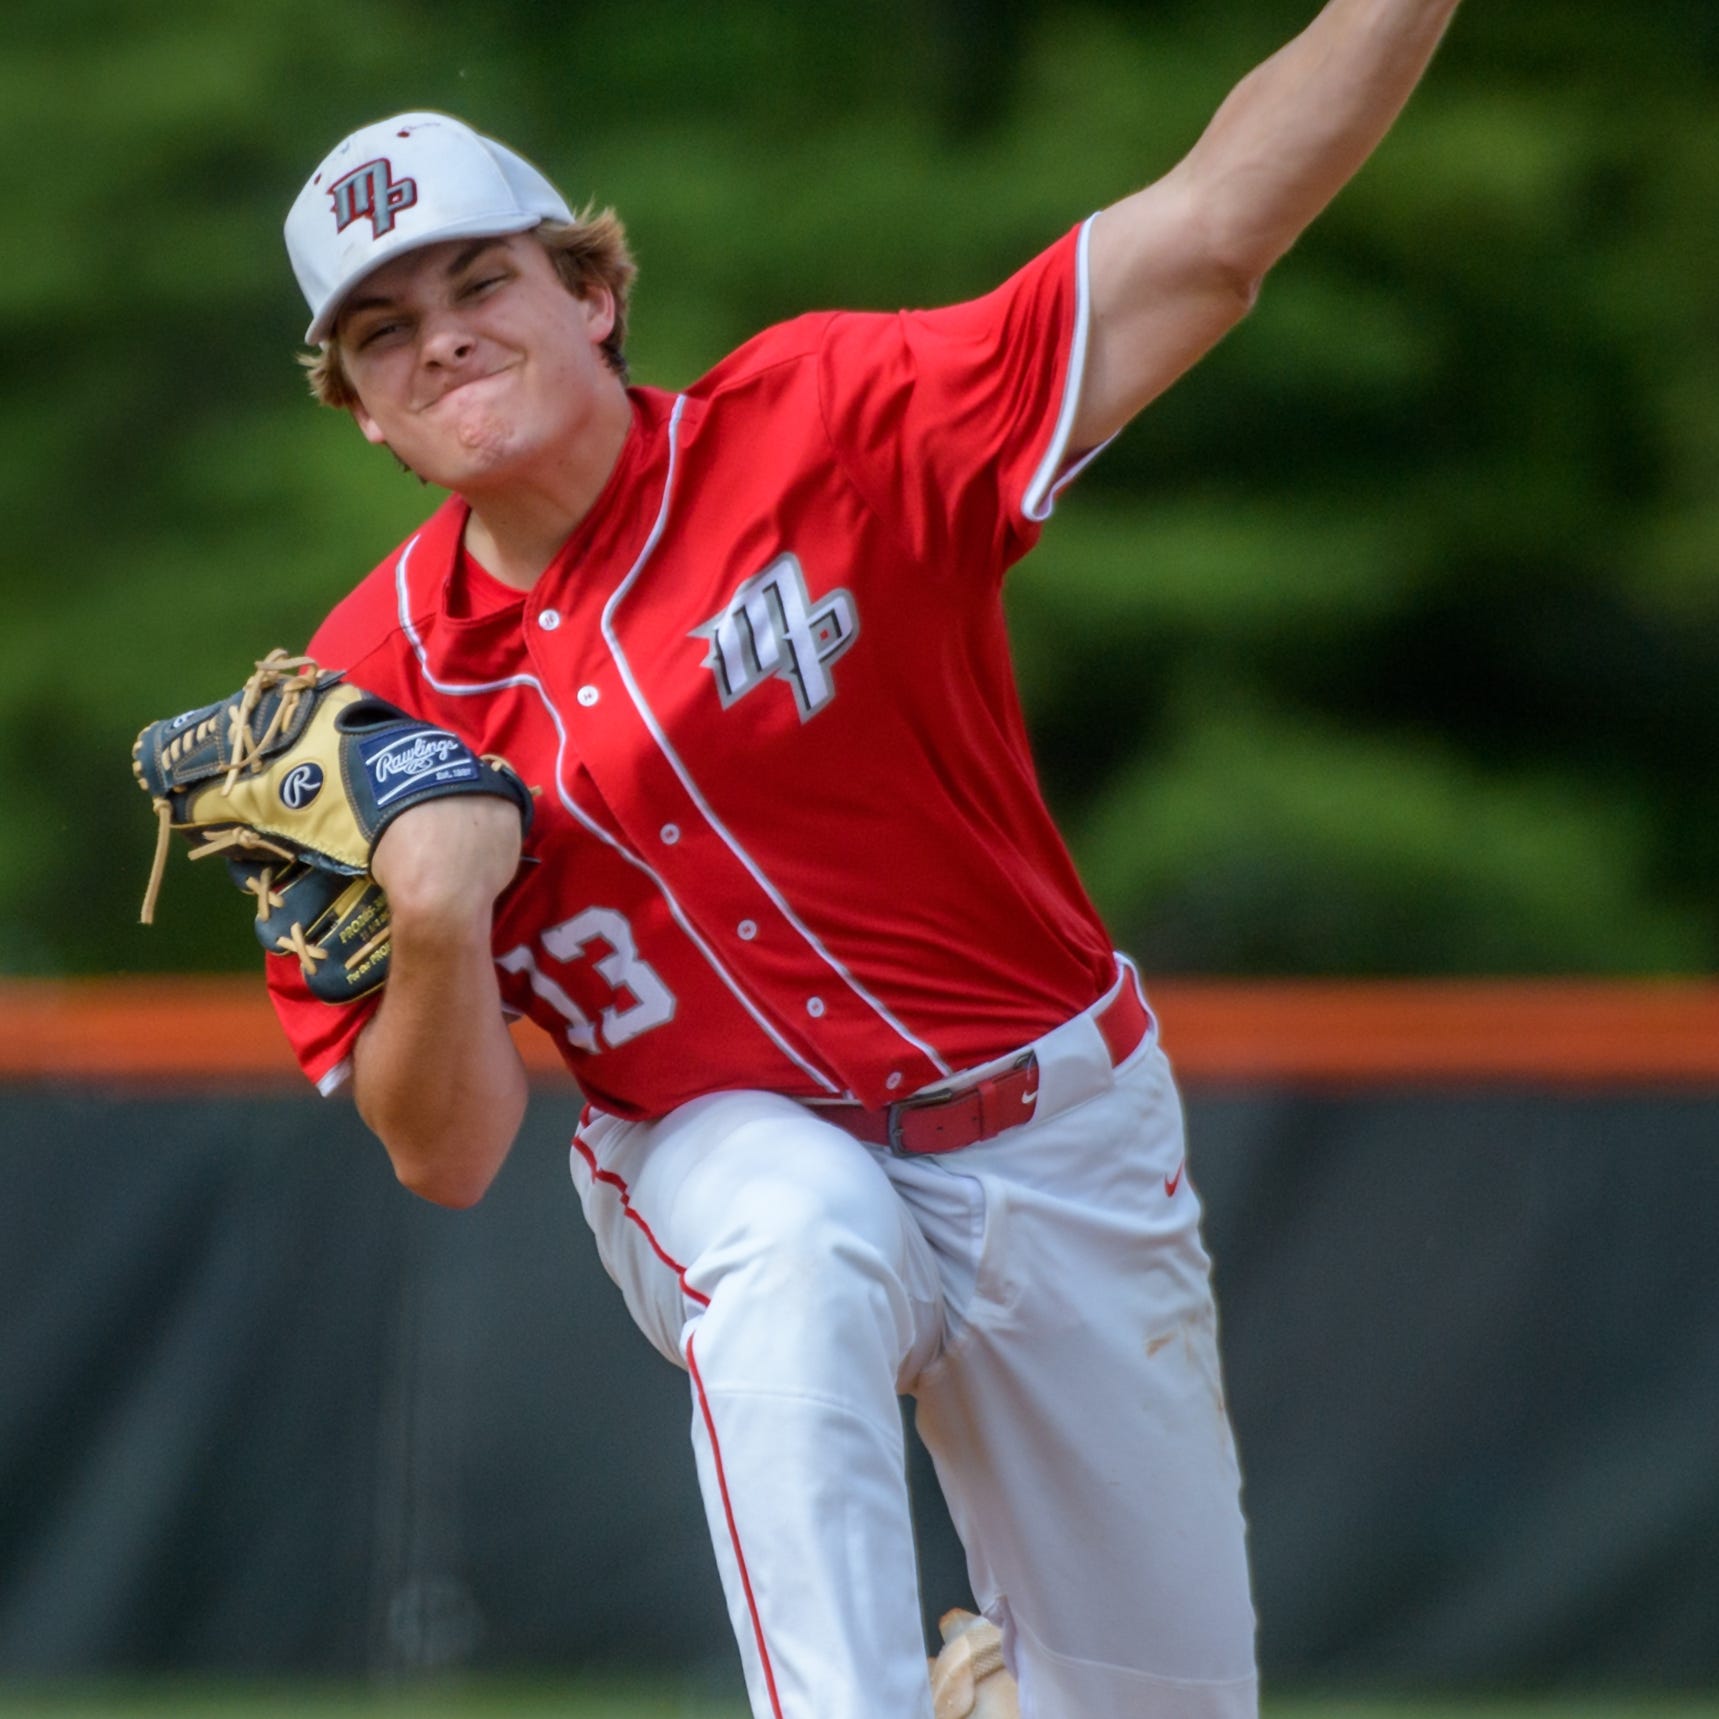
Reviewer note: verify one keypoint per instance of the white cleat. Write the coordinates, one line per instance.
(968, 1679)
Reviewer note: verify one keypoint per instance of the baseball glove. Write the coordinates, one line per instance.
(293, 778)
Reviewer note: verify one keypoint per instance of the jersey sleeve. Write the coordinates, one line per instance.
(954, 424)
(361, 636)
(322, 1035)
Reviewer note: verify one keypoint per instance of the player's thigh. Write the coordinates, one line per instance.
(1078, 1420)
(748, 1192)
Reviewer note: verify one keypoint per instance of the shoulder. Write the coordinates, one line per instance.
(820, 337)
(833, 351)
(367, 633)
(808, 349)
(365, 616)
(785, 347)
(795, 372)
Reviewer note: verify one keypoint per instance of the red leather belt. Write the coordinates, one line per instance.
(946, 1121)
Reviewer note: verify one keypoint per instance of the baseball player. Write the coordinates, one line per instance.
(874, 1106)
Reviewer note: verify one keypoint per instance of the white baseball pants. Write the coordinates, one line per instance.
(1045, 1298)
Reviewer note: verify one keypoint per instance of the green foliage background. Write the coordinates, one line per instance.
(1385, 643)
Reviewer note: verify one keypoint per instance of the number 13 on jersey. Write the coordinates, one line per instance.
(601, 938)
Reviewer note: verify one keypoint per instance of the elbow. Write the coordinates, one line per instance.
(454, 1190)
(449, 1167)
(1233, 245)
(1247, 281)
(1237, 284)
(1235, 257)
(453, 1173)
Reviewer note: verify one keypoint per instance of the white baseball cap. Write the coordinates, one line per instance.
(400, 184)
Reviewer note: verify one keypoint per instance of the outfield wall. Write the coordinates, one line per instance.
(263, 1411)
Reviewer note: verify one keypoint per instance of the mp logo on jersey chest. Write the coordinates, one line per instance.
(772, 630)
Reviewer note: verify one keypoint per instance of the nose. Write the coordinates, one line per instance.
(446, 341)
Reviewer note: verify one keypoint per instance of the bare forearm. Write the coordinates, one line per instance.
(1175, 266)
(436, 1074)
(1298, 127)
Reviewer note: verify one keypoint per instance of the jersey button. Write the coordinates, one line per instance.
(815, 1007)
(588, 695)
(670, 834)
(746, 930)
(894, 1081)
(549, 619)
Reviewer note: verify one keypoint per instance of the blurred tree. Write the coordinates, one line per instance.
(1386, 642)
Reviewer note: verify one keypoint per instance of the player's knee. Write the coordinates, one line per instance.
(820, 1227)
(824, 1241)
(812, 1295)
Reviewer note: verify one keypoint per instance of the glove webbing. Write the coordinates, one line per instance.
(296, 676)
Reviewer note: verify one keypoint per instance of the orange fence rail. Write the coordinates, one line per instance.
(1563, 1032)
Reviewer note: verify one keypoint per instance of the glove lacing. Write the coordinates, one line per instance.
(295, 676)
(296, 943)
(262, 887)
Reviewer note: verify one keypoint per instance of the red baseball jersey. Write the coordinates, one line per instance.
(789, 835)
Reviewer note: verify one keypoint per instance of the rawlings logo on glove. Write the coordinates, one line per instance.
(249, 777)
(411, 758)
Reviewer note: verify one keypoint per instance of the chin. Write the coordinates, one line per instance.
(484, 436)
(479, 451)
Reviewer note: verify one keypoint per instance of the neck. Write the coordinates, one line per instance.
(517, 529)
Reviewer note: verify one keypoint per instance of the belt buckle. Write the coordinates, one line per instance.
(894, 1114)
(935, 1100)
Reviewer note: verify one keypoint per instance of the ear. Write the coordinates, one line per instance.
(598, 304)
(368, 427)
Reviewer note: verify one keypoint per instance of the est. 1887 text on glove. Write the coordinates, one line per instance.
(293, 778)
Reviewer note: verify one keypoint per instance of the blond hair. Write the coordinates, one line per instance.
(588, 252)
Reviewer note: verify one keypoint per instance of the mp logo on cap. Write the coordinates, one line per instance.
(371, 191)
(421, 178)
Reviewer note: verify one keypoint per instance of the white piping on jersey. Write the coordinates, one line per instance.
(1042, 492)
(756, 872)
(460, 691)
(1036, 504)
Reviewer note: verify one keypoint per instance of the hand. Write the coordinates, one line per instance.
(447, 860)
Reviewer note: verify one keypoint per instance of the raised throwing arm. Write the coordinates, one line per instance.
(1175, 266)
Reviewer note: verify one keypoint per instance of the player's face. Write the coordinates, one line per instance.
(473, 362)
